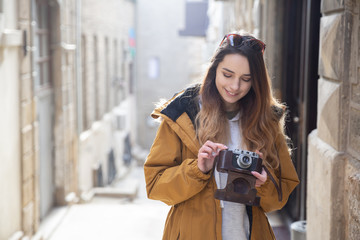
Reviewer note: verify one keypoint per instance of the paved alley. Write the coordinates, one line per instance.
(115, 218)
(109, 218)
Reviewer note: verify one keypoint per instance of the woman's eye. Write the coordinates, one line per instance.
(246, 79)
(227, 75)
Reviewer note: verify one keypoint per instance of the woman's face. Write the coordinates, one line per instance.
(233, 79)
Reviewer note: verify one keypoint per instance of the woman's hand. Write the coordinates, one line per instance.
(260, 178)
(207, 154)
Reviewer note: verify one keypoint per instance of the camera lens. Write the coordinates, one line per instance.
(244, 161)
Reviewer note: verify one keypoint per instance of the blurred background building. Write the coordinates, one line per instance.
(67, 71)
(75, 96)
(171, 52)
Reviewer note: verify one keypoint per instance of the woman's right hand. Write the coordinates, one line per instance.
(207, 154)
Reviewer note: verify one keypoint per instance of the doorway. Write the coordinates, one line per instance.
(299, 88)
(45, 104)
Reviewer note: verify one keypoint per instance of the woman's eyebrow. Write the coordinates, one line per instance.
(228, 70)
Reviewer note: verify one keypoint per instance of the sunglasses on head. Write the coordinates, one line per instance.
(236, 40)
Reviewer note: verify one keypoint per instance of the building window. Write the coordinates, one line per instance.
(1, 18)
(124, 73)
(116, 78)
(41, 41)
(196, 19)
(96, 79)
(85, 118)
(153, 68)
(107, 75)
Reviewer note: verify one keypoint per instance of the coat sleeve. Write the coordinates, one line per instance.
(289, 180)
(169, 178)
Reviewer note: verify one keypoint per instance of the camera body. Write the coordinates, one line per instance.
(240, 161)
(240, 186)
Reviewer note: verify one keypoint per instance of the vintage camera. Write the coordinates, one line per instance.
(240, 186)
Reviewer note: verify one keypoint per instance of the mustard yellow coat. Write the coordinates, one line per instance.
(172, 176)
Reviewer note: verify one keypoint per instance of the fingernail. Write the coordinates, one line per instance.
(213, 153)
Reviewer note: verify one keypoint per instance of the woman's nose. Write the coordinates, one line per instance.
(235, 85)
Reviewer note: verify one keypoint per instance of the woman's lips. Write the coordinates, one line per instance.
(231, 93)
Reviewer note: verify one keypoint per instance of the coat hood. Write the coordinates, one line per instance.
(180, 113)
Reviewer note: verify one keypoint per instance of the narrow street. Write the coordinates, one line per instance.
(80, 80)
(115, 218)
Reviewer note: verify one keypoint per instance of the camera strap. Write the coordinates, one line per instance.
(277, 186)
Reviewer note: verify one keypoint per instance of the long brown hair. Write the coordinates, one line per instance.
(260, 120)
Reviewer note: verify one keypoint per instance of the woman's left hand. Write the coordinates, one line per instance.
(260, 178)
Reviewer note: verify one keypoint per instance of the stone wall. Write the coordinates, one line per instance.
(20, 46)
(62, 40)
(64, 78)
(28, 128)
(10, 157)
(334, 148)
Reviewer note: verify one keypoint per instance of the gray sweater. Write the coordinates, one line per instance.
(235, 221)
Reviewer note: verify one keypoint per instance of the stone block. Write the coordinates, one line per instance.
(36, 162)
(36, 136)
(24, 9)
(352, 184)
(331, 46)
(354, 130)
(27, 139)
(328, 122)
(65, 96)
(70, 58)
(28, 218)
(25, 67)
(331, 5)
(26, 113)
(325, 191)
(355, 93)
(28, 166)
(26, 88)
(28, 191)
(36, 203)
(354, 231)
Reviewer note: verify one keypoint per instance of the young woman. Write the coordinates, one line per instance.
(233, 108)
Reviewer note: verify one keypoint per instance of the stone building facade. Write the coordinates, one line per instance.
(334, 147)
(169, 58)
(60, 93)
(10, 154)
(107, 79)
